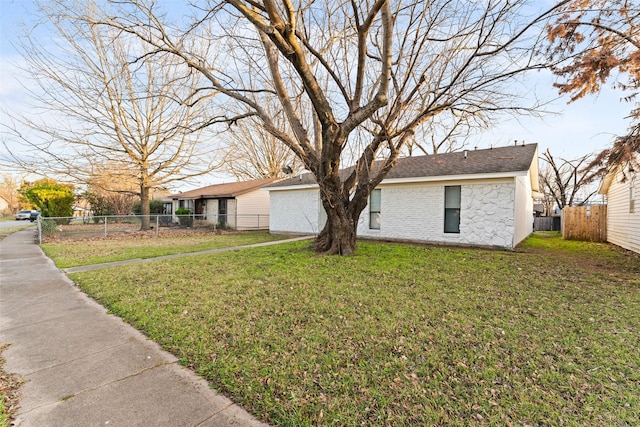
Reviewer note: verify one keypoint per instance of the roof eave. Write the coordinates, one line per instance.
(606, 182)
(463, 177)
(190, 196)
(535, 172)
(291, 187)
(417, 179)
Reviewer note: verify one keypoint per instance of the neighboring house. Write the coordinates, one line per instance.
(239, 205)
(476, 197)
(622, 188)
(81, 208)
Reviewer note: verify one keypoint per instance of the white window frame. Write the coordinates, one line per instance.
(452, 205)
(375, 212)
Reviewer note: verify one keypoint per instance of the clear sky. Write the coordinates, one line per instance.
(585, 126)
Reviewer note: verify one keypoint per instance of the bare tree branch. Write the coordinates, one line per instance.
(109, 102)
(357, 81)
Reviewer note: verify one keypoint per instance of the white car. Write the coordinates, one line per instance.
(23, 215)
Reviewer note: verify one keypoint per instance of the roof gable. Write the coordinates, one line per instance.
(613, 171)
(232, 189)
(510, 159)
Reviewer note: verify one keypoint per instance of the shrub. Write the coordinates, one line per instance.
(155, 207)
(184, 217)
(49, 227)
(63, 221)
(51, 198)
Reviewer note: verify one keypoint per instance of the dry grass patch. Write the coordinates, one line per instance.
(5, 231)
(9, 392)
(145, 245)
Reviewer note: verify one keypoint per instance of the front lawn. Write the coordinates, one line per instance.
(400, 335)
(87, 252)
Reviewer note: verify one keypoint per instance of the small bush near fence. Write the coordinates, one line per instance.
(103, 227)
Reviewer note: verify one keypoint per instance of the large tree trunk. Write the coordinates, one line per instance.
(338, 237)
(144, 206)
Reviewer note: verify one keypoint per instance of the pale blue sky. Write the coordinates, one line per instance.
(585, 126)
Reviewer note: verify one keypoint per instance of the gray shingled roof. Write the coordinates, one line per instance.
(491, 160)
(231, 189)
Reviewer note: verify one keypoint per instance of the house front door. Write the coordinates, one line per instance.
(200, 207)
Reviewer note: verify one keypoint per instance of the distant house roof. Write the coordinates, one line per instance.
(217, 191)
(499, 160)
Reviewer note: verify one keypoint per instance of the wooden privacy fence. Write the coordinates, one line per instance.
(585, 223)
(546, 223)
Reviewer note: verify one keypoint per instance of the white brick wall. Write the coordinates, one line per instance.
(416, 212)
(413, 212)
(294, 211)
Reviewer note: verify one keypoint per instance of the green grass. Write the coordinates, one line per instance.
(4, 417)
(74, 254)
(400, 335)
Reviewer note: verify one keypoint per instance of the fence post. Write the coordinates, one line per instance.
(105, 227)
(39, 230)
(157, 224)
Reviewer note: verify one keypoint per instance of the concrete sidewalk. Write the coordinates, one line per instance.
(84, 367)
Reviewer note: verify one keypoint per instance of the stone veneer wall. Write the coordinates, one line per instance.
(487, 214)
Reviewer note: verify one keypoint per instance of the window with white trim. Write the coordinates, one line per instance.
(375, 200)
(452, 208)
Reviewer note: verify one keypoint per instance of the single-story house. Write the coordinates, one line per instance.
(621, 186)
(239, 205)
(473, 197)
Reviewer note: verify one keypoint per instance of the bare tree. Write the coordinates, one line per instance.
(112, 191)
(254, 153)
(105, 101)
(567, 182)
(356, 80)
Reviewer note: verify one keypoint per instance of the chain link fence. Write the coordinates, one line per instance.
(96, 227)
